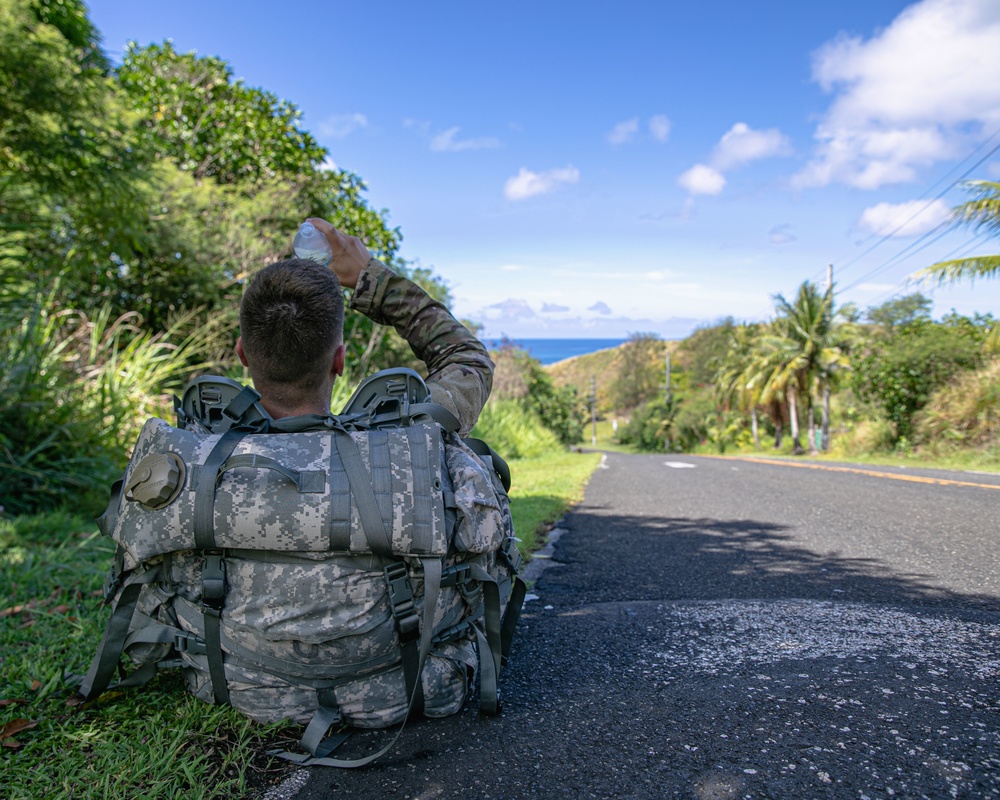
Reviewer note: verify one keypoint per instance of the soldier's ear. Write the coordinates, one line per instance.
(239, 351)
(339, 359)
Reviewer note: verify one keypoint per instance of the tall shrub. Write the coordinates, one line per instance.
(74, 391)
(514, 432)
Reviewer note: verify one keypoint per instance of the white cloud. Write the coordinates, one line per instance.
(445, 142)
(741, 145)
(738, 146)
(917, 92)
(904, 219)
(659, 127)
(624, 131)
(511, 267)
(702, 179)
(328, 165)
(528, 184)
(600, 307)
(341, 125)
(553, 308)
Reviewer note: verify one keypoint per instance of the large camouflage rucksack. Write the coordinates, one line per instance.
(289, 573)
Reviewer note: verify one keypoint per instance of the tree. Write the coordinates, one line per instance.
(983, 213)
(641, 371)
(735, 376)
(69, 164)
(805, 350)
(899, 373)
(522, 379)
(900, 311)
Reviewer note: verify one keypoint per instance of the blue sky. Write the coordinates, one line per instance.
(595, 169)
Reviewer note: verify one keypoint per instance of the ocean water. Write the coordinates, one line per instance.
(549, 351)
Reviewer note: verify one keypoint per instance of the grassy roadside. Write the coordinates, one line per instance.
(158, 741)
(960, 459)
(543, 489)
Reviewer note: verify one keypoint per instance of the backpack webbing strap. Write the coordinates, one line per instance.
(492, 637)
(492, 458)
(242, 403)
(208, 477)
(306, 482)
(437, 412)
(404, 611)
(109, 651)
(364, 494)
(213, 594)
(518, 591)
(326, 715)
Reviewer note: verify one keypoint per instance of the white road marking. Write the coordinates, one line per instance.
(678, 465)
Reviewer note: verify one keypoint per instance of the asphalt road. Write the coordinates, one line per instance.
(717, 628)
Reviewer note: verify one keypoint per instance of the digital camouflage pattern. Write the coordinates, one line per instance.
(260, 509)
(301, 615)
(304, 617)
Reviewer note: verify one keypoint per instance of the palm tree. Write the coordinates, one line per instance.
(806, 348)
(983, 213)
(734, 378)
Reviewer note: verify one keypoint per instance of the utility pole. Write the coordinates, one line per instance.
(593, 409)
(668, 373)
(829, 276)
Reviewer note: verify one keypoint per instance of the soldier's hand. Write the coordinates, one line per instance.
(350, 256)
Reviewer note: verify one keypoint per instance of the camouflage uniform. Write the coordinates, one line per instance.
(459, 366)
(302, 604)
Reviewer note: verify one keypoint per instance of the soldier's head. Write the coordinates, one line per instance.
(292, 334)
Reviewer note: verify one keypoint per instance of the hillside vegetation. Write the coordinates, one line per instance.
(889, 382)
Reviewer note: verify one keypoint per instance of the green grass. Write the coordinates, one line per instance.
(951, 458)
(980, 460)
(157, 741)
(544, 488)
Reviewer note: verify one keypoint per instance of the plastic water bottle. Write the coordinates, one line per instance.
(312, 244)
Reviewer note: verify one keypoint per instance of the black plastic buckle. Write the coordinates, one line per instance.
(186, 642)
(404, 610)
(112, 584)
(452, 633)
(213, 580)
(455, 575)
(512, 554)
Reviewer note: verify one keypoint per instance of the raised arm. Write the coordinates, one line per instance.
(460, 372)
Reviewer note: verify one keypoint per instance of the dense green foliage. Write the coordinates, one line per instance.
(898, 371)
(521, 380)
(137, 201)
(641, 374)
(514, 431)
(965, 411)
(816, 367)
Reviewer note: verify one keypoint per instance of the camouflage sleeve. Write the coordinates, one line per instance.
(460, 372)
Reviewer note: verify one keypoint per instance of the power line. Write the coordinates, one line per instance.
(916, 246)
(967, 247)
(937, 197)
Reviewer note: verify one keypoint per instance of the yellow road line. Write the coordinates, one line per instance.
(873, 473)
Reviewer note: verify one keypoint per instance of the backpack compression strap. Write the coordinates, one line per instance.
(327, 714)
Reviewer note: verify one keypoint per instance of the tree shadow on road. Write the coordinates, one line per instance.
(611, 558)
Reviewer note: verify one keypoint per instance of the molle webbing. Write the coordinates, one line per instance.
(376, 492)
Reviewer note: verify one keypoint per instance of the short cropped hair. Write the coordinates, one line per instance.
(291, 323)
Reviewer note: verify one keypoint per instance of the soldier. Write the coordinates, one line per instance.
(291, 332)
